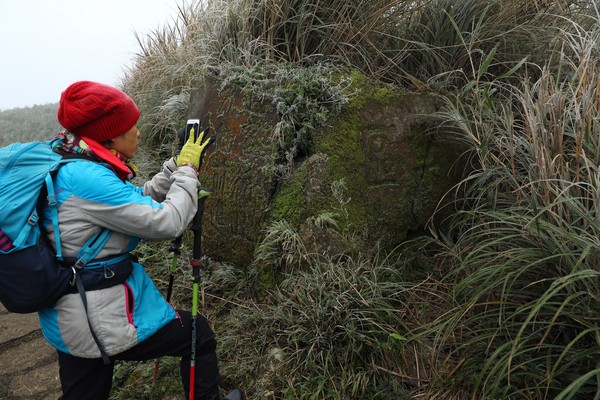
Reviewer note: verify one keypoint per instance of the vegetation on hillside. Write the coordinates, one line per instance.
(502, 302)
(521, 253)
(29, 124)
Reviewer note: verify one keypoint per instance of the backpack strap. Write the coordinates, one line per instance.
(92, 248)
(53, 204)
(34, 218)
(87, 253)
(81, 290)
(31, 222)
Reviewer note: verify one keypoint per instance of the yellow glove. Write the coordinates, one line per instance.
(193, 151)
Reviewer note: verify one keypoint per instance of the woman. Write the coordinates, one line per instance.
(129, 317)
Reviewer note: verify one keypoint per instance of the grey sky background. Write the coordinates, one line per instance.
(45, 45)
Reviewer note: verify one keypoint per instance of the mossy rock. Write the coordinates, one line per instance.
(379, 166)
(392, 164)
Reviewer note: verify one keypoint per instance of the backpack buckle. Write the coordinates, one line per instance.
(33, 219)
(108, 273)
(82, 262)
(51, 200)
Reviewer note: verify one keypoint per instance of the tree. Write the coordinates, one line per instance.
(37, 123)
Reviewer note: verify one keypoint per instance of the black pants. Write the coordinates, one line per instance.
(89, 378)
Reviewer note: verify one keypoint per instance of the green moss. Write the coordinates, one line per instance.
(360, 91)
(343, 147)
(357, 91)
(289, 202)
(383, 95)
(393, 174)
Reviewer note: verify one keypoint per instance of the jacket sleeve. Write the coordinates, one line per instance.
(159, 185)
(106, 201)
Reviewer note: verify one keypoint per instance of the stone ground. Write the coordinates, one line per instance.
(28, 367)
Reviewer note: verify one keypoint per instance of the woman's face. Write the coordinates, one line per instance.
(127, 143)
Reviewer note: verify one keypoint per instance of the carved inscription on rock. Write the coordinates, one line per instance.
(237, 171)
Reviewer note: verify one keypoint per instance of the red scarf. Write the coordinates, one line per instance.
(112, 157)
(69, 143)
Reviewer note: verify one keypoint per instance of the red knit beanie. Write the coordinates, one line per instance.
(96, 111)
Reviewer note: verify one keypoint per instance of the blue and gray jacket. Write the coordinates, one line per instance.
(91, 197)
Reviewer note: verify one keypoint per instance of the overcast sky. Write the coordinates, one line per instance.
(45, 45)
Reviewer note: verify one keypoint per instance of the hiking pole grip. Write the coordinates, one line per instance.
(196, 259)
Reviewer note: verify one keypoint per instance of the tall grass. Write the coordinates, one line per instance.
(522, 258)
(162, 74)
(446, 40)
(282, 31)
(331, 329)
(423, 43)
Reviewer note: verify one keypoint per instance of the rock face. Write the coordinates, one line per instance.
(378, 166)
(236, 169)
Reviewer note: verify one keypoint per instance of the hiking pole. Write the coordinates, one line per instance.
(196, 260)
(196, 263)
(182, 136)
(176, 250)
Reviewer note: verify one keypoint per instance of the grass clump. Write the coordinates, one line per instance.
(329, 329)
(521, 254)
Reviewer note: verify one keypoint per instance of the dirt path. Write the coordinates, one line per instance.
(28, 367)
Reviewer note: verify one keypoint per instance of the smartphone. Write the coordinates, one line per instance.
(192, 123)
